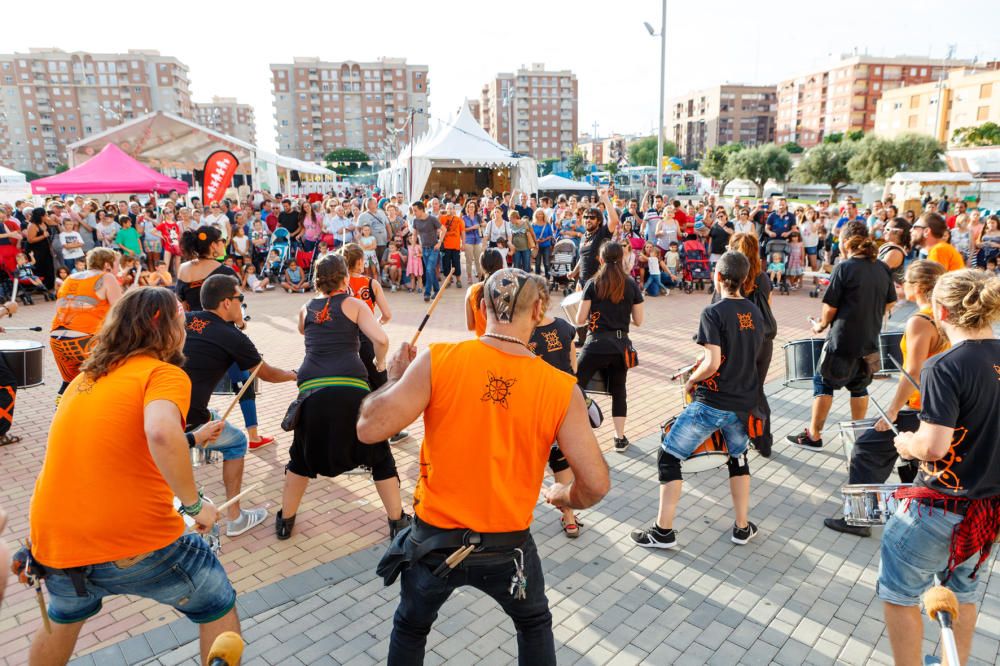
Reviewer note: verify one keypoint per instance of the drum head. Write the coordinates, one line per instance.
(18, 345)
(572, 300)
(704, 462)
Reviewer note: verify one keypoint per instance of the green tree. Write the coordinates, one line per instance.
(762, 163)
(346, 155)
(643, 151)
(793, 148)
(833, 137)
(547, 166)
(827, 163)
(717, 164)
(876, 159)
(577, 164)
(855, 135)
(611, 168)
(987, 134)
(30, 175)
(62, 167)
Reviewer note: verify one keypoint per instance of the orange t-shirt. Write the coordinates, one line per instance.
(943, 344)
(488, 430)
(78, 307)
(477, 314)
(100, 497)
(946, 255)
(454, 230)
(361, 288)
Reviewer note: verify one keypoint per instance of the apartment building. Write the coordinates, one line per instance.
(50, 98)
(602, 151)
(532, 111)
(966, 98)
(726, 113)
(321, 106)
(226, 115)
(843, 96)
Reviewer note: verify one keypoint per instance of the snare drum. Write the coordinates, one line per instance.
(870, 504)
(849, 433)
(571, 305)
(24, 358)
(213, 537)
(802, 362)
(201, 456)
(710, 454)
(889, 343)
(227, 387)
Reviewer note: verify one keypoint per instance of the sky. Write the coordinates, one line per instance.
(228, 46)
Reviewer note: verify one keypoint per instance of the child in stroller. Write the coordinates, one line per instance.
(28, 282)
(776, 251)
(696, 266)
(562, 265)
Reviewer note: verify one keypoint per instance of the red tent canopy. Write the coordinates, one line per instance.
(110, 171)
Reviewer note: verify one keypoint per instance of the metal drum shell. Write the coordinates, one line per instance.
(25, 358)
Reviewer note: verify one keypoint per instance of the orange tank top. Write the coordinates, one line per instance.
(488, 430)
(942, 344)
(474, 291)
(78, 307)
(361, 287)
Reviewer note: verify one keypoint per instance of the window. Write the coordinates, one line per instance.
(983, 113)
(913, 71)
(912, 122)
(914, 101)
(923, 71)
(986, 91)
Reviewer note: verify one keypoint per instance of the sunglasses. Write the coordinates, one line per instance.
(919, 226)
(238, 297)
(590, 217)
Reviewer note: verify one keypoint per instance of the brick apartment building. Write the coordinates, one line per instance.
(226, 115)
(532, 111)
(321, 106)
(726, 113)
(843, 96)
(50, 98)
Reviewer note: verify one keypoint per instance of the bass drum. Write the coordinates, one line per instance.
(802, 362)
(710, 454)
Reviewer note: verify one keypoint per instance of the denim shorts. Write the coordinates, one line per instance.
(231, 443)
(185, 575)
(915, 547)
(696, 423)
(812, 251)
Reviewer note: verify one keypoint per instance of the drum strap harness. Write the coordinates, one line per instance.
(975, 534)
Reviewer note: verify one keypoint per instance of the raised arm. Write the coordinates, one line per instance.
(403, 398)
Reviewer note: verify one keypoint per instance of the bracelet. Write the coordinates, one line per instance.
(190, 439)
(193, 509)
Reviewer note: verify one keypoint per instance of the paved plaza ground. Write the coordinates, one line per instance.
(797, 594)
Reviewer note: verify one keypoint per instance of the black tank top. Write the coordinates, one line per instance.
(898, 271)
(332, 342)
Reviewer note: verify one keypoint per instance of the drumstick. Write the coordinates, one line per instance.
(413, 343)
(883, 415)
(899, 367)
(674, 377)
(13, 293)
(229, 502)
(243, 389)
(22, 328)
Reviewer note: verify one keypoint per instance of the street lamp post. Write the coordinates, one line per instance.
(663, 72)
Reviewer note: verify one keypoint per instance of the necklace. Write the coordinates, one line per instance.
(506, 338)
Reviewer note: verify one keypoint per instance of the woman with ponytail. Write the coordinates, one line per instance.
(611, 302)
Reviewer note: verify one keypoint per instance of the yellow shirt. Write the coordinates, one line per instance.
(946, 255)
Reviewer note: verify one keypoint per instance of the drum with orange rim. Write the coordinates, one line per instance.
(710, 454)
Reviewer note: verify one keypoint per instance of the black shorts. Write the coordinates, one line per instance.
(557, 461)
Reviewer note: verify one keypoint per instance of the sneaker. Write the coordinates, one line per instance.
(742, 536)
(654, 537)
(666, 292)
(621, 444)
(427, 299)
(805, 441)
(263, 441)
(249, 519)
(396, 526)
(840, 525)
(399, 436)
(458, 284)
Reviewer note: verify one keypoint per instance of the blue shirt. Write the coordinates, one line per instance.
(781, 224)
(543, 234)
(472, 235)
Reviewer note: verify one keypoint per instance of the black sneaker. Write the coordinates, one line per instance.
(805, 441)
(399, 436)
(621, 444)
(654, 537)
(840, 525)
(742, 536)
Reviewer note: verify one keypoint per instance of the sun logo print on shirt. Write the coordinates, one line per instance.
(592, 321)
(746, 320)
(941, 470)
(197, 325)
(552, 342)
(997, 368)
(497, 389)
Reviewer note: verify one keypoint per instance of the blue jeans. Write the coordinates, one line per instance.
(915, 547)
(431, 285)
(422, 594)
(696, 423)
(542, 259)
(231, 443)
(185, 575)
(248, 405)
(522, 260)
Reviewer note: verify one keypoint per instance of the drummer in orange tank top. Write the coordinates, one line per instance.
(874, 452)
(490, 261)
(482, 463)
(81, 305)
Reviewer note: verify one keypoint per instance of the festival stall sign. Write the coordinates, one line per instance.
(219, 169)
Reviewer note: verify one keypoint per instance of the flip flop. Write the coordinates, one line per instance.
(572, 530)
(9, 439)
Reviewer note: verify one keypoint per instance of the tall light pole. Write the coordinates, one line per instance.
(663, 71)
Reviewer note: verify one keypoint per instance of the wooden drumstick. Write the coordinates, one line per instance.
(229, 502)
(13, 293)
(451, 273)
(243, 389)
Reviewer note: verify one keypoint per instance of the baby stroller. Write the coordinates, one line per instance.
(280, 243)
(694, 263)
(778, 246)
(563, 253)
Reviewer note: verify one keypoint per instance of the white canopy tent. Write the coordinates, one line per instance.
(453, 151)
(166, 141)
(13, 185)
(554, 183)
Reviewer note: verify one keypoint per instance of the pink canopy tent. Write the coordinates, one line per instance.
(110, 171)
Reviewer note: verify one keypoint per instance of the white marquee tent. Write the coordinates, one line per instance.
(448, 149)
(554, 183)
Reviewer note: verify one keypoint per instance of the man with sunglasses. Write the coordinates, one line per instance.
(213, 344)
(597, 233)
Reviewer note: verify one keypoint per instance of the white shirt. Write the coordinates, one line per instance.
(71, 237)
(220, 222)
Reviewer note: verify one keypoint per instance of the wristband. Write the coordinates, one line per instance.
(192, 509)
(190, 439)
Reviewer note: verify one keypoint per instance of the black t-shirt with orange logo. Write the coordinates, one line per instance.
(552, 342)
(737, 327)
(960, 389)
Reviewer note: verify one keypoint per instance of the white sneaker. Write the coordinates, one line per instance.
(249, 519)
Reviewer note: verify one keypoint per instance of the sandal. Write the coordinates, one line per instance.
(9, 439)
(572, 530)
(283, 526)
